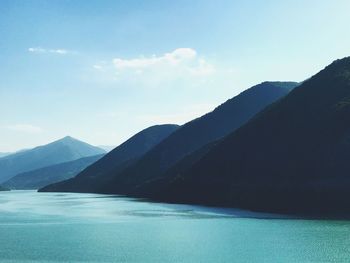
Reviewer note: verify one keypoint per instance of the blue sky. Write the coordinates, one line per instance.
(101, 71)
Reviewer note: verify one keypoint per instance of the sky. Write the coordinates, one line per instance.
(101, 71)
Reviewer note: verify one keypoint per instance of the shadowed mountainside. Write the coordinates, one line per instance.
(51, 174)
(292, 157)
(195, 134)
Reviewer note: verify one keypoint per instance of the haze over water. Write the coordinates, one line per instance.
(69, 227)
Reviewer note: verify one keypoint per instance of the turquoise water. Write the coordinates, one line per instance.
(51, 227)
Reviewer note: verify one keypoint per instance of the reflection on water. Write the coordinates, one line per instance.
(66, 227)
(110, 208)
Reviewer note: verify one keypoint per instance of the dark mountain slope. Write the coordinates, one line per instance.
(64, 150)
(116, 160)
(51, 174)
(199, 132)
(150, 188)
(292, 157)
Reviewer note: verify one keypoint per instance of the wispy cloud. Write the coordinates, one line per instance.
(40, 50)
(179, 65)
(26, 128)
(181, 60)
(173, 58)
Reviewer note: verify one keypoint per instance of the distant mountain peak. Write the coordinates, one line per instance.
(119, 158)
(62, 150)
(70, 141)
(68, 138)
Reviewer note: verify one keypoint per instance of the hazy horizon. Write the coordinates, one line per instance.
(101, 71)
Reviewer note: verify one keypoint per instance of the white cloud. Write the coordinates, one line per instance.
(44, 50)
(180, 65)
(181, 73)
(36, 50)
(59, 51)
(181, 61)
(177, 57)
(26, 128)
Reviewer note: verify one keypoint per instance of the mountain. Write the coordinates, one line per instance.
(195, 134)
(293, 157)
(116, 160)
(51, 174)
(64, 150)
(192, 136)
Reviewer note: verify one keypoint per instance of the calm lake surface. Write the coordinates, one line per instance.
(54, 227)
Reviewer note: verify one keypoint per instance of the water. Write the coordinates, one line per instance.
(51, 227)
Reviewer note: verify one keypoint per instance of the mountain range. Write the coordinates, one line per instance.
(63, 150)
(293, 157)
(98, 174)
(182, 142)
(279, 147)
